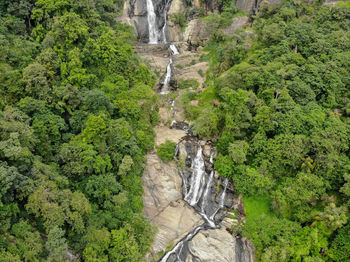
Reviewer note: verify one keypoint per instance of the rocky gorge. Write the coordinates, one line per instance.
(192, 207)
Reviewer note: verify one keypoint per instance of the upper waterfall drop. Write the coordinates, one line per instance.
(152, 23)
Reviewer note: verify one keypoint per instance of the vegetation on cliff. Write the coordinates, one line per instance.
(278, 101)
(76, 116)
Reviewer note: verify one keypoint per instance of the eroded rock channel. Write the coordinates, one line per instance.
(189, 203)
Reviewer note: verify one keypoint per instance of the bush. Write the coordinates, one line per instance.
(201, 73)
(183, 84)
(166, 151)
(179, 19)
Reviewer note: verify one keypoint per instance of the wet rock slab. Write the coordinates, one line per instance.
(163, 203)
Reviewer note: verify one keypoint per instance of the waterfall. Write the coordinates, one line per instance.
(179, 246)
(174, 49)
(165, 21)
(222, 200)
(152, 23)
(206, 192)
(197, 179)
(195, 190)
(167, 79)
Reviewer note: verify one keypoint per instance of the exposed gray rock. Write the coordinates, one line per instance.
(163, 204)
(237, 22)
(250, 6)
(135, 14)
(246, 5)
(195, 33)
(212, 246)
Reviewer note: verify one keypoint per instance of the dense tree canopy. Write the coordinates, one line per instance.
(76, 116)
(281, 121)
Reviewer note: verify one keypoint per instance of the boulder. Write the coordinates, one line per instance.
(195, 33)
(212, 246)
(176, 6)
(163, 133)
(194, 102)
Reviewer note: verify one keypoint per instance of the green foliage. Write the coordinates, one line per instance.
(76, 116)
(179, 19)
(278, 112)
(340, 247)
(56, 244)
(189, 83)
(166, 150)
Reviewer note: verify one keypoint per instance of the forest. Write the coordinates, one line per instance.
(77, 111)
(76, 116)
(277, 102)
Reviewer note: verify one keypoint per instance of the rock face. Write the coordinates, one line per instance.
(163, 204)
(237, 22)
(247, 5)
(196, 33)
(219, 245)
(211, 246)
(135, 14)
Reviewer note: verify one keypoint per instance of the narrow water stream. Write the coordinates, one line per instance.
(200, 192)
(199, 185)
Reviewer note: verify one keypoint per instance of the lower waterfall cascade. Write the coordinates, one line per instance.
(202, 190)
(199, 191)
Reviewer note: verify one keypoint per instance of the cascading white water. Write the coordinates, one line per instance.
(222, 200)
(192, 197)
(165, 22)
(206, 192)
(174, 49)
(178, 247)
(165, 89)
(197, 179)
(152, 23)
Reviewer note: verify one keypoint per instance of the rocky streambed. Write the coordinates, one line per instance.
(191, 206)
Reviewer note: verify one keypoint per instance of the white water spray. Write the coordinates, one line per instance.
(197, 179)
(152, 22)
(174, 50)
(165, 88)
(206, 192)
(222, 200)
(165, 21)
(178, 248)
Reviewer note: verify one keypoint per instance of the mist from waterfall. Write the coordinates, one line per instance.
(152, 23)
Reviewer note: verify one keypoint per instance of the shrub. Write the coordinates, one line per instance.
(183, 84)
(166, 151)
(200, 72)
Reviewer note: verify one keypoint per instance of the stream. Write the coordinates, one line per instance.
(205, 194)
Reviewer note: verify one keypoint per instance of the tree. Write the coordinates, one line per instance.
(224, 166)
(123, 246)
(295, 197)
(36, 80)
(56, 244)
(166, 150)
(206, 124)
(340, 247)
(238, 151)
